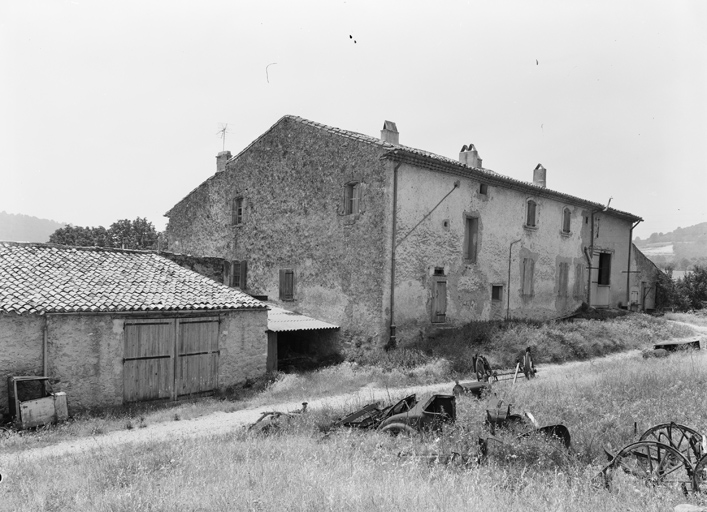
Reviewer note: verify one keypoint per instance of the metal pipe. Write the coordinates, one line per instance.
(508, 283)
(45, 348)
(628, 274)
(392, 340)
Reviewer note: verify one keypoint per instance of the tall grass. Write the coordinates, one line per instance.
(552, 342)
(300, 467)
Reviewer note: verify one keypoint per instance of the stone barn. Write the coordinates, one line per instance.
(111, 326)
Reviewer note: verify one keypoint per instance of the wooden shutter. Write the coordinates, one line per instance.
(227, 273)
(530, 221)
(579, 281)
(528, 270)
(566, 220)
(287, 284)
(236, 274)
(244, 274)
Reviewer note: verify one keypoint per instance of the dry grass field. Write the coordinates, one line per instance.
(305, 466)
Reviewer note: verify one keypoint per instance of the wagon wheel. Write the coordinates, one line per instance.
(652, 463)
(699, 477)
(684, 439)
(528, 369)
(481, 375)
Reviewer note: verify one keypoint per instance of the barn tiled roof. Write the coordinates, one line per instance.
(45, 278)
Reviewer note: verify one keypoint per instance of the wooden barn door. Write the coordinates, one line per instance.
(197, 355)
(148, 363)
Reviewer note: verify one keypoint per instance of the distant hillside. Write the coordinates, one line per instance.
(680, 249)
(16, 227)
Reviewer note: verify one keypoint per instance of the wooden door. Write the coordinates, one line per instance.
(197, 355)
(439, 302)
(148, 363)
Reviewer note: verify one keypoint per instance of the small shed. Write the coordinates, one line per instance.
(295, 339)
(111, 326)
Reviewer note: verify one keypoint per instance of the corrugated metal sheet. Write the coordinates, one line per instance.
(280, 320)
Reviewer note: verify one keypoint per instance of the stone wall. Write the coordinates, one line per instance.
(292, 182)
(85, 353)
(438, 242)
(21, 338)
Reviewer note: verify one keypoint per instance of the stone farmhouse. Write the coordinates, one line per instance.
(111, 326)
(389, 242)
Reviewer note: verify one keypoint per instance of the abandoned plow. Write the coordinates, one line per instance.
(668, 454)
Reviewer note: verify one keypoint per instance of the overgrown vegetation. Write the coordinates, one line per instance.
(302, 467)
(436, 360)
(686, 294)
(126, 234)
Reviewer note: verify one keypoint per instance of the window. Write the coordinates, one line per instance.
(237, 211)
(240, 269)
(287, 284)
(530, 216)
(604, 269)
(483, 189)
(471, 239)
(234, 274)
(579, 281)
(439, 271)
(563, 277)
(496, 293)
(352, 197)
(566, 218)
(527, 289)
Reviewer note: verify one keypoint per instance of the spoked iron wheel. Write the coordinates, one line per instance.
(699, 477)
(684, 439)
(651, 463)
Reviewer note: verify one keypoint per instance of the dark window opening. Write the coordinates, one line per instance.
(497, 293)
(530, 217)
(439, 271)
(483, 189)
(237, 211)
(352, 196)
(287, 284)
(471, 239)
(566, 218)
(604, 269)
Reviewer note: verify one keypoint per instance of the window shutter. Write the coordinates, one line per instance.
(282, 284)
(244, 274)
(227, 273)
(236, 274)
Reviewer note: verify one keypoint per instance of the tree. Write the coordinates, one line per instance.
(124, 234)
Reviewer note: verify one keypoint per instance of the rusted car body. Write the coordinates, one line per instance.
(429, 414)
(32, 404)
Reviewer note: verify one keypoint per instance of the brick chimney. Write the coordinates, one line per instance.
(539, 175)
(221, 159)
(389, 133)
(470, 157)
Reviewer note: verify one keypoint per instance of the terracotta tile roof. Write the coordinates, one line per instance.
(44, 278)
(435, 162)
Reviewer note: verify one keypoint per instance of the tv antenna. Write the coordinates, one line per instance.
(222, 131)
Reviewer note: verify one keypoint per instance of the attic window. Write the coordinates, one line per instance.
(237, 211)
(352, 197)
(483, 189)
(530, 217)
(566, 218)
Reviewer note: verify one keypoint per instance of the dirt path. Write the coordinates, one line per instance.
(221, 422)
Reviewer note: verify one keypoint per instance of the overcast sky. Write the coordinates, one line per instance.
(109, 110)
